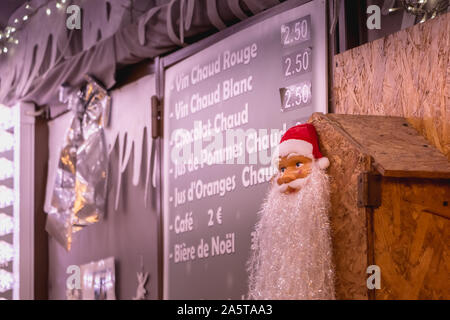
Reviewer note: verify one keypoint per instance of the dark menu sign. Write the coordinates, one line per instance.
(225, 110)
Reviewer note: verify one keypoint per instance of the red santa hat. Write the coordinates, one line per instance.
(302, 140)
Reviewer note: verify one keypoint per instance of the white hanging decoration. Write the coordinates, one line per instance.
(56, 137)
(142, 277)
(6, 141)
(6, 224)
(141, 292)
(6, 118)
(6, 169)
(6, 253)
(6, 197)
(130, 118)
(6, 281)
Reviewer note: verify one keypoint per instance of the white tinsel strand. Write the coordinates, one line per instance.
(6, 253)
(6, 141)
(6, 118)
(6, 169)
(6, 224)
(6, 281)
(6, 197)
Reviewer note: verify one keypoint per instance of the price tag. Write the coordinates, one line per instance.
(296, 32)
(296, 96)
(297, 63)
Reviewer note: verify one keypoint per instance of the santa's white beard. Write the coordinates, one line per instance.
(292, 254)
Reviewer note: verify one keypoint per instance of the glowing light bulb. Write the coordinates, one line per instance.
(6, 224)
(27, 6)
(48, 11)
(13, 29)
(58, 5)
(5, 50)
(25, 18)
(6, 280)
(6, 169)
(6, 252)
(6, 141)
(16, 41)
(16, 20)
(6, 197)
(63, 1)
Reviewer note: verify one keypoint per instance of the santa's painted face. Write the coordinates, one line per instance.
(293, 172)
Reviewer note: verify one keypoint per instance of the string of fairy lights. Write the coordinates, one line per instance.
(7, 249)
(8, 36)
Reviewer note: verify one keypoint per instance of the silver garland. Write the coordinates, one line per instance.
(79, 193)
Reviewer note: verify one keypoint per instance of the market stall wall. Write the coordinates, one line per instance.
(405, 74)
(412, 239)
(348, 221)
(128, 231)
(125, 234)
(399, 219)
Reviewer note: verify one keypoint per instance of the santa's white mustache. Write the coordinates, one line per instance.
(295, 184)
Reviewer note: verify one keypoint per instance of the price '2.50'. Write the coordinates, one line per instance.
(295, 32)
(297, 63)
(296, 96)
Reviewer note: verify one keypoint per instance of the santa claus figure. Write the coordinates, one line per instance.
(292, 252)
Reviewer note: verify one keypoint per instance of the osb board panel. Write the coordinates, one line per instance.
(398, 149)
(412, 239)
(405, 74)
(348, 222)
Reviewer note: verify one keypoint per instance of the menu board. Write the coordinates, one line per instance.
(225, 108)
